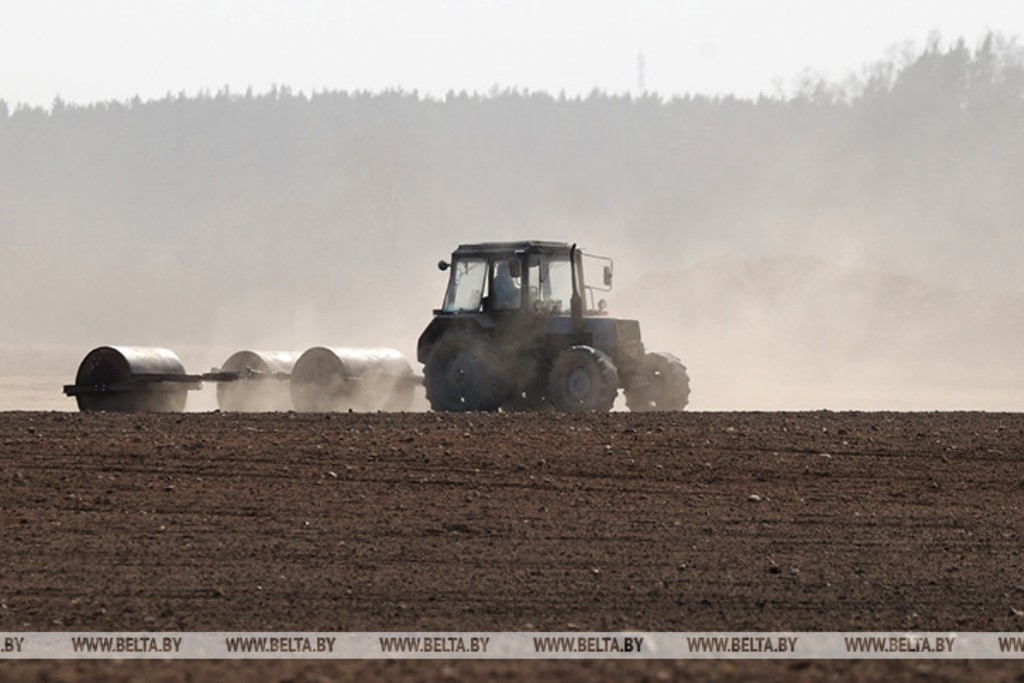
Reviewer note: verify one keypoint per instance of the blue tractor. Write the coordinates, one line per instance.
(520, 330)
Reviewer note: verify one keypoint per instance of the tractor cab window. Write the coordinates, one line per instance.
(466, 287)
(550, 280)
(506, 287)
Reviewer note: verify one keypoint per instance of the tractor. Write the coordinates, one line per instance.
(520, 329)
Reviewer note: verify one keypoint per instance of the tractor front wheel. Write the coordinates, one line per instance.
(583, 379)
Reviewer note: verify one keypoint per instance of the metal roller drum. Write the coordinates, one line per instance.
(261, 385)
(131, 379)
(332, 379)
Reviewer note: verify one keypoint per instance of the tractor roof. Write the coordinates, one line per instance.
(509, 248)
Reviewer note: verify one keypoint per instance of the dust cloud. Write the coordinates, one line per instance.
(840, 246)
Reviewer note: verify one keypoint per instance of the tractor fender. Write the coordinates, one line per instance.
(442, 323)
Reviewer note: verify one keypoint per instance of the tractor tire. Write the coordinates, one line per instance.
(583, 380)
(464, 372)
(661, 384)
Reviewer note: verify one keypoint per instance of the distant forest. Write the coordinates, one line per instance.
(920, 157)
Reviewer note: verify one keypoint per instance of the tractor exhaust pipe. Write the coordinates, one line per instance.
(576, 302)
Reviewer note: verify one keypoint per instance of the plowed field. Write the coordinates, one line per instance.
(351, 522)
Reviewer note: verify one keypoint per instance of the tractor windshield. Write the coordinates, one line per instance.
(550, 279)
(466, 286)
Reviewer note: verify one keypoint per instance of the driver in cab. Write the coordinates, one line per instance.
(505, 291)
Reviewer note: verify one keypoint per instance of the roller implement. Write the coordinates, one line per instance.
(136, 379)
(520, 329)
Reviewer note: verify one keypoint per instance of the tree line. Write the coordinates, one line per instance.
(924, 147)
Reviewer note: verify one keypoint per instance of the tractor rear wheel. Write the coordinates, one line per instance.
(464, 372)
(661, 384)
(582, 380)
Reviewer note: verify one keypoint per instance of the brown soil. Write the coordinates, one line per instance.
(348, 522)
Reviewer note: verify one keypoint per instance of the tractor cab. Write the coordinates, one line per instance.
(534, 277)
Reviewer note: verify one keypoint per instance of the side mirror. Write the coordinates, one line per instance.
(607, 276)
(515, 267)
(443, 265)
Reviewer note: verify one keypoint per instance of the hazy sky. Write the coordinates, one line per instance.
(88, 50)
